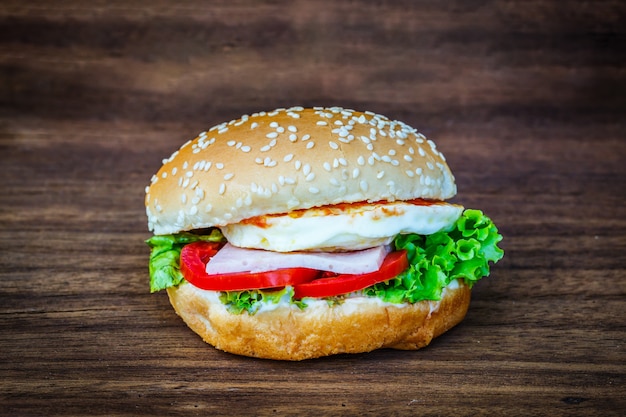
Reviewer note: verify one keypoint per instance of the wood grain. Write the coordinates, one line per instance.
(525, 98)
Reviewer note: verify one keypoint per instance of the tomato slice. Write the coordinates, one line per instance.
(193, 259)
(394, 264)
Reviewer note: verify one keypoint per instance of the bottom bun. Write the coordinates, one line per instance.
(285, 332)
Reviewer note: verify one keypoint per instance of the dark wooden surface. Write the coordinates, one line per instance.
(525, 98)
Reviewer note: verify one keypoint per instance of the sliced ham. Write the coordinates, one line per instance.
(232, 259)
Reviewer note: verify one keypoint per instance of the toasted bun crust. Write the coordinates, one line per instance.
(291, 159)
(288, 333)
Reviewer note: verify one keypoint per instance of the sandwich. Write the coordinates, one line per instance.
(301, 232)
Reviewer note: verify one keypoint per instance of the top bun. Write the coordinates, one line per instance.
(288, 159)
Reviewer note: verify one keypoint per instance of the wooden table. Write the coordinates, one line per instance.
(525, 98)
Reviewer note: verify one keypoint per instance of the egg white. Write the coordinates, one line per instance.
(341, 228)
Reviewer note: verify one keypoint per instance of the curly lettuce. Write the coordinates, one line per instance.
(435, 260)
(164, 263)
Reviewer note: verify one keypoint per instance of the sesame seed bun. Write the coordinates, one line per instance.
(297, 159)
(290, 159)
(287, 333)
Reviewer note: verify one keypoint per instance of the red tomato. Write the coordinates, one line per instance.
(193, 259)
(394, 264)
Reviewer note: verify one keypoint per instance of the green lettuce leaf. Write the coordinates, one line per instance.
(250, 301)
(465, 252)
(164, 264)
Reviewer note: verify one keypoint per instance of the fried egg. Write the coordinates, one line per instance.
(342, 227)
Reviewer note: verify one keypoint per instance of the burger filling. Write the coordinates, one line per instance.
(414, 261)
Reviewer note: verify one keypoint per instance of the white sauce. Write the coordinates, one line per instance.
(350, 305)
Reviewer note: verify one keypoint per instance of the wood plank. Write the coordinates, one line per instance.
(525, 98)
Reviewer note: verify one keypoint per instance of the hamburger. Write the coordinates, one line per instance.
(306, 232)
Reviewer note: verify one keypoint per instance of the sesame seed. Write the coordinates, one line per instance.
(310, 177)
(306, 169)
(271, 135)
(314, 190)
(409, 173)
(322, 123)
(309, 145)
(274, 125)
(380, 174)
(223, 130)
(360, 160)
(185, 165)
(164, 175)
(185, 182)
(183, 198)
(333, 145)
(258, 160)
(208, 208)
(343, 162)
(231, 143)
(411, 150)
(290, 181)
(363, 185)
(222, 189)
(265, 148)
(418, 171)
(288, 157)
(327, 166)
(281, 180)
(306, 137)
(355, 173)
(254, 125)
(334, 181)
(298, 164)
(194, 210)
(430, 165)
(292, 128)
(245, 148)
(219, 165)
(228, 176)
(280, 129)
(293, 137)
(408, 158)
